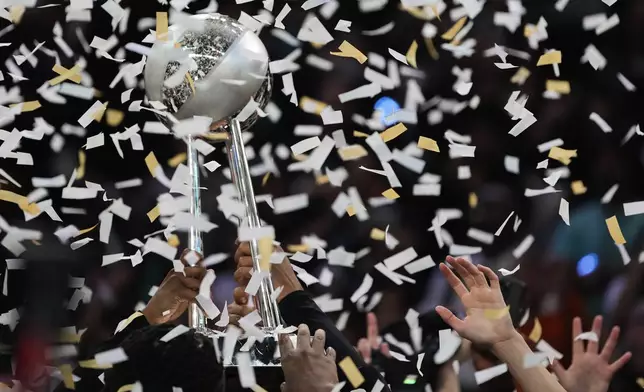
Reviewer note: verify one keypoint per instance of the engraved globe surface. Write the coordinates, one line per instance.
(210, 65)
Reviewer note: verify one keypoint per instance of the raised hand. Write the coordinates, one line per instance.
(308, 367)
(174, 295)
(282, 274)
(367, 346)
(590, 370)
(488, 320)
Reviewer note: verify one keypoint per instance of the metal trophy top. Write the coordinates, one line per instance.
(209, 65)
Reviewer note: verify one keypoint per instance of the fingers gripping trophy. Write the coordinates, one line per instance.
(212, 67)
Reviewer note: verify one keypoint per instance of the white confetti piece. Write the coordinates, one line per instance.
(420, 265)
(483, 376)
(564, 211)
(500, 229)
(398, 56)
(292, 203)
(305, 145)
(330, 116)
(594, 57)
(607, 24)
(597, 119)
(80, 243)
(523, 247)
(400, 259)
(589, 336)
(313, 30)
(111, 357)
(176, 331)
(531, 360)
(506, 272)
(366, 91)
(111, 259)
(344, 26)
(95, 141)
(628, 85)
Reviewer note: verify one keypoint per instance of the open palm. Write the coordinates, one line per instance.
(590, 371)
(488, 319)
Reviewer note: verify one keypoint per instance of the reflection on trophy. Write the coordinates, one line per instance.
(212, 66)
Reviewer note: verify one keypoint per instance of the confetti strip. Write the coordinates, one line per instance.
(350, 51)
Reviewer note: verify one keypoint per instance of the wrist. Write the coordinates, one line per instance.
(288, 290)
(503, 348)
(149, 315)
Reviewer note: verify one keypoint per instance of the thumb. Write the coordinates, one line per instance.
(558, 369)
(454, 322)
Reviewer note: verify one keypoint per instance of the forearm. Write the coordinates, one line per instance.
(448, 379)
(535, 379)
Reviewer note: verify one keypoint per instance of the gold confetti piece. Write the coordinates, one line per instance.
(191, 83)
(431, 48)
(66, 337)
(360, 134)
(529, 30)
(390, 194)
(16, 13)
(351, 153)
(114, 117)
(434, 8)
(321, 180)
(154, 213)
(66, 74)
(300, 157)
(128, 387)
(348, 50)
(91, 364)
(473, 200)
(377, 234)
(562, 155)
(265, 252)
(152, 163)
(311, 105)
(85, 231)
(550, 58)
(393, 132)
(177, 159)
(173, 241)
(615, 231)
(351, 371)
(297, 248)
(640, 382)
(37, 243)
(162, 26)
(428, 144)
(265, 178)
(21, 201)
(578, 187)
(558, 86)
(411, 54)
(98, 115)
(80, 170)
(68, 379)
(495, 314)
(351, 211)
(257, 388)
(521, 76)
(28, 106)
(451, 33)
(536, 332)
(216, 136)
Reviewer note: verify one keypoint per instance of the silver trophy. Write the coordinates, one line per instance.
(211, 66)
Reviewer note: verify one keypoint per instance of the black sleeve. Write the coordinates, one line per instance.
(89, 378)
(299, 308)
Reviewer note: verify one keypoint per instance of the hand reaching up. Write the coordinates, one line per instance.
(590, 370)
(175, 293)
(308, 367)
(371, 344)
(488, 320)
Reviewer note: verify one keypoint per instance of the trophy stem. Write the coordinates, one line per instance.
(240, 171)
(196, 317)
